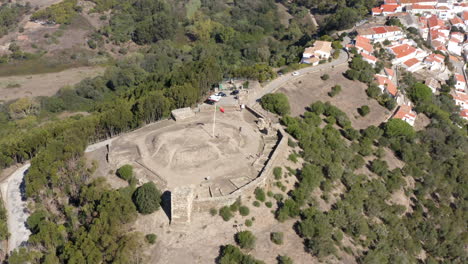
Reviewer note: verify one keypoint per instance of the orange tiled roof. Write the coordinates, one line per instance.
(411, 62)
(404, 111)
(403, 50)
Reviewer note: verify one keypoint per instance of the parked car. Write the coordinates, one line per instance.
(222, 94)
(295, 73)
(235, 92)
(214, 98)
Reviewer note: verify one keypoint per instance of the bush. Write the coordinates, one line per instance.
(151, 238)
(277, 237)
(277, 103)
(325, 77)
(364, 110)
(260, 194)
(293, 157)
(335, 90)
(245, 239)
(277, 172)
(213, 211)
(226, 213)
(268, 204)
(244, 210)
(248, 223)
(231, 254)
(285, 260)
(256, 203)
(125, 172)
(147, 198)
(235, 206)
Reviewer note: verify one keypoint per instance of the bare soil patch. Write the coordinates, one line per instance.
(310, 88)
(15, 87)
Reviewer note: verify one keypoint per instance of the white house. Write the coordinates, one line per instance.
(381, 33)
(460, 83)
(434, 62)
(321, 50)
(369, 58)
(406, 113)
(412, 65)
(454, 47)
(405, 52)
(461, 99)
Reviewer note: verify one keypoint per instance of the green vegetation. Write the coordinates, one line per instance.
(10, 16)
(226, 213)
(244, 210)
(277, 237)
(277, 103)
(61, 13)
(325, 77)
(147, 198)
(364, 110)
(245, 239)
(277, 172)
(230, 254)
(260, 194)
(4, 234)
(213, 211)
(285, 260)
(151, 238)
(248, 222)
(335, 90)
(125, 172)
(386, 231)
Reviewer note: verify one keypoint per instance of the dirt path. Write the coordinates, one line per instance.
(16, 208)
(15, 87)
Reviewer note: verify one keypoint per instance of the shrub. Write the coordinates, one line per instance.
(244, 210)
(292, 143)
(245, 239)
(293, 157)
(260, 194)
(213, 211)
(364, 110)
(277, 172)
(248, 222)
(231, 254)
(235, 206)
(125, 172)
(151, 238)
(147, 198)
(277, 237)
(285, 260)
(225, 213)
(269, 204)
(325, 77)
(278, 197)
(335, 90)
(277, 103)
(256, 203)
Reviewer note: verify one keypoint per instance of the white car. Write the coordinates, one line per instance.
(295, 73)
(214, 98)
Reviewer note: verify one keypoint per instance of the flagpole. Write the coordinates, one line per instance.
(214, 119)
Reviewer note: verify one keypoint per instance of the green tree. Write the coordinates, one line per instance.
(398, 128)
(125, 172)
(147, 198)
(276, 103)
(245, 239)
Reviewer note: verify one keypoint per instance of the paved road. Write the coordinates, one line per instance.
(277, 83)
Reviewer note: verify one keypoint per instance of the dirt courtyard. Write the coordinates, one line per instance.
(310, 87)
(181, 153)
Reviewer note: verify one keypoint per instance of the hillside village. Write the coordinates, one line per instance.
(423, 37)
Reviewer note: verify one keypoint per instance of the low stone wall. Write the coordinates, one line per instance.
(261, 181)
